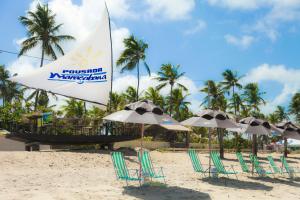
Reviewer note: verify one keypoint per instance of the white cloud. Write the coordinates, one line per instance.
(198, 27)
(288, 77)
(170, 9)
(241, 5)
(243, 42)
(277, 12)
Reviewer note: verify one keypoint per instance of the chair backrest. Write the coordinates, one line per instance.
(256, 163)
(217, 161)
(195, 161)
(285, 164)
(146, 162)
(273, 165)
(240, 158)
(120, 165)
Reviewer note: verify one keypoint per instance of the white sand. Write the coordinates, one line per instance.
(71, 175)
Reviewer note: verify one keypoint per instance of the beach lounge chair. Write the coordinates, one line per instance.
(196, 162)
(275, 168)
(243, 164)
(220, 168)
(257, 166)
(147, 167)
(122, 172)
(288, 169)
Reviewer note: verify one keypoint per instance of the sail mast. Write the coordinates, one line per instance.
(112, 63)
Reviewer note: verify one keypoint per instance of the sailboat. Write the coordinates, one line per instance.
(85, 73)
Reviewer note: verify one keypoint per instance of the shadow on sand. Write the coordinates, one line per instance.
(164, 192)
(290, 182)
(238, 184)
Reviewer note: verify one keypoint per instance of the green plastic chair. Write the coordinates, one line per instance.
(121, 170)
(243, 164)
(220, 166)
(288, 169)
(257, 166)
(275, 168)
(196, 162)
(147, 167)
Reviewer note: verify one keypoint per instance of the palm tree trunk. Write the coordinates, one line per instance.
(138, 84)
(37, 91)
(235, 108)
(221, 142)
(171, 100)
(254, 144)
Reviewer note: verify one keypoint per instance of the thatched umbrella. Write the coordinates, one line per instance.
(210, 119)
(142, 112)
(288, 130)
(254, 126)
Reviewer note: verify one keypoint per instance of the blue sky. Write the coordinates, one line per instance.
(258, 38)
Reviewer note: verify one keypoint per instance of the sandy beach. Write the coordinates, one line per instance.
(80, 175)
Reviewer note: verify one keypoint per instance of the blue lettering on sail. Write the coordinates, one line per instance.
(79, 76)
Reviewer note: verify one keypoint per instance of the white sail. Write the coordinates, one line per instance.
(84, 73)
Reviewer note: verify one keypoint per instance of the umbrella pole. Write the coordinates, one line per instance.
(209, 147)
(285, 147)
(141, 149)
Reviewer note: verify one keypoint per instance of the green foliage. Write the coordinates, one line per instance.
(242, 143)
(11, 112)
(294, 106)
(73, 108)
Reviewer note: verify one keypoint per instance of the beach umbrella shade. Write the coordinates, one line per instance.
(142, 112)
(210, 119)
(253, 126)
(288, 130)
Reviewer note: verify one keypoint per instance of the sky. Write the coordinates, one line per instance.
(257, 38)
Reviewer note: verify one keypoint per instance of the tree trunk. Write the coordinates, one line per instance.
(285, 148)
(171, 100)
(254, 144)
(221, 142)
(138, 84)
(235, 108)
(38, 91)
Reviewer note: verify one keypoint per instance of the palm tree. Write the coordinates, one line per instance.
(130, 94)
(117, 102)
(9, 90)
(4, 76)
(231, 82)
(281, 113)
(73, 108)
(215, 100)
(169, 74)
(42, 30)
(153, 95)
(294, 107)
(130, 58)
(180, 103)
(253, 97)
(237, 102)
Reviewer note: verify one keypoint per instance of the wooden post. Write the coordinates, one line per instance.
(209, 147)
(141, 150)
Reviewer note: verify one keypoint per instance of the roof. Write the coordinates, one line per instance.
(175, 127)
